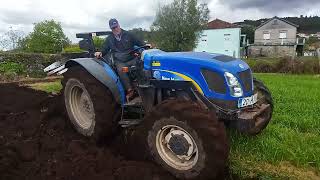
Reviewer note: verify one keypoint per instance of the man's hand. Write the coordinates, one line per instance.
(150, 46)
(98, 55)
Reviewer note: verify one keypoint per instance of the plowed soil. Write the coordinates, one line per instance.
(37, 141)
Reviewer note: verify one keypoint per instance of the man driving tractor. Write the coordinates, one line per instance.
(183, 102)
(121, 43)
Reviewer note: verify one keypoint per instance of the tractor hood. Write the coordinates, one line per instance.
(177, 60)
(195, 67)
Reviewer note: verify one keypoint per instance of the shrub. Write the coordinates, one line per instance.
(306, 67)
(263, 65)
(31, 64)
(12, 67)
(285, 65)
(98, 42)
(9, 76)
(74, 48)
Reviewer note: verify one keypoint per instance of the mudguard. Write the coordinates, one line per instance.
(99, 69)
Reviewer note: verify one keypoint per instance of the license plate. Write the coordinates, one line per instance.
(247, 101)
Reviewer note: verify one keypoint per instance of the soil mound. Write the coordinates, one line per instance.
(38, 142)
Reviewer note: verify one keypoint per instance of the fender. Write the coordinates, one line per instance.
(103, 73)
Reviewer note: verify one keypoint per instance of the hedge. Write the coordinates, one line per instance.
(302, 65)
(30, 64)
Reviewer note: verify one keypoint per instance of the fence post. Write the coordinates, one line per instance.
(318, 54)
(293, 58)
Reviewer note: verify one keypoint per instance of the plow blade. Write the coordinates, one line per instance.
(56, 68)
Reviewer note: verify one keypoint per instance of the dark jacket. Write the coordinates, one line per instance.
(121, 48)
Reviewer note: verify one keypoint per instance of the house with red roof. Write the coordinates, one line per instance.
(220, 37)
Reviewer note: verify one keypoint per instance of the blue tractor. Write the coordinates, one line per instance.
(182, 103)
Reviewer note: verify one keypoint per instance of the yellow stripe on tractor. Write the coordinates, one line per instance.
(186, 78)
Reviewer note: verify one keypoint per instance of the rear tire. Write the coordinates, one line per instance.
(186, 140)
(90, 105)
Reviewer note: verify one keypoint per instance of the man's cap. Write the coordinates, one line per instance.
(113, 23)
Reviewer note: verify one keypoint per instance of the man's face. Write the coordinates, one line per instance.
(116, 30)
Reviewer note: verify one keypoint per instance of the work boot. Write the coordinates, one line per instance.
(130, 94)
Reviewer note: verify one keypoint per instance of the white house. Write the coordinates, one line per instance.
(220, 37)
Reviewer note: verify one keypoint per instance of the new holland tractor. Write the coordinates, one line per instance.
(182, 103)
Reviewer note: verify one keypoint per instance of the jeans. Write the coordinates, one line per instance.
(124, 77)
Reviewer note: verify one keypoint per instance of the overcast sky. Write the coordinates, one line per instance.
(92, 15)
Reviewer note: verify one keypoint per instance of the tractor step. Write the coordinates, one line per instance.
(134, 102)
(134, 105)
(145, 86)
(129, 122)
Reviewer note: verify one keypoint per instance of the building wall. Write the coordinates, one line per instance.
(274, 27)
(222, 41)
(272, 51)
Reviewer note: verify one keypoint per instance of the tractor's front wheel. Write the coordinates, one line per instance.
(253, 120)
(90, 106)
(186, 140)
(264, 97)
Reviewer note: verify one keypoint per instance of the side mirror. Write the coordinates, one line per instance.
(86, 44)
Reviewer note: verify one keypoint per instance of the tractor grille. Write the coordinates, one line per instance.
(225, 104)
(215, 81)
(246, 78)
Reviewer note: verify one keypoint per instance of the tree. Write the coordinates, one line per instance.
(312, 40)
(138, 32)
(47, 37)
(249, 31)
(178, 25)
(23, 44)
(142, 34)
(10, 40)
(98, 42)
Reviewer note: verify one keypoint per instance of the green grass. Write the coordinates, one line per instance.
(50, 87)
(74, 48)
(290, 146)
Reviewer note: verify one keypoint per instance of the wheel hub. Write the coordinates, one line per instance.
(82, 107)
(85, 103)
(179, 145)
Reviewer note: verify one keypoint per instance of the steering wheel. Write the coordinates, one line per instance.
(139, 49)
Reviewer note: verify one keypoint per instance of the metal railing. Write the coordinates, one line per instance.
(287, 41)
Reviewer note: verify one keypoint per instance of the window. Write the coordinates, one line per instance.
(283, 35)
(266, 36)
(227, 37)
(204, 37)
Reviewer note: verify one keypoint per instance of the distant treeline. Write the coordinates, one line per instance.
(306, 24)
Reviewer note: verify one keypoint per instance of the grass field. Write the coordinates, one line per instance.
(290, 146)
(50, 87)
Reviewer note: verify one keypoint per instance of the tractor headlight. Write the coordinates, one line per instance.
(231, 80)
(234, 85)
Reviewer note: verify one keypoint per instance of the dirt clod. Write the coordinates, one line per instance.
(38, 142)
